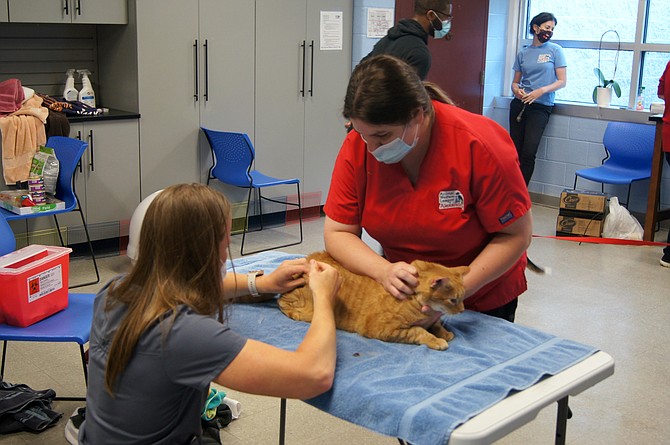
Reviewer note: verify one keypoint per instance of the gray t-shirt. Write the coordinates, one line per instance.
(160, 395)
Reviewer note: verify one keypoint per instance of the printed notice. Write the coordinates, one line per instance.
(44, 283)
(379, 22)
(331, 30)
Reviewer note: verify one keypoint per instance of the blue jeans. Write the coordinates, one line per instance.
(527, 133)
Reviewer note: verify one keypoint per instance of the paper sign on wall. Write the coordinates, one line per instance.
(331, 30)
(379, 22)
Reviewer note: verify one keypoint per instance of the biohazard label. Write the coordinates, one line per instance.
(44, 283)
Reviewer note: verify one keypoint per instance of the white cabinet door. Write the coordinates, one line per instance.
(329, 75)
(111, 170)
(227, 70)
(40, 11)
(282, 57)
(100, 11)
(69, 11)
(169, 96)
(4, 8)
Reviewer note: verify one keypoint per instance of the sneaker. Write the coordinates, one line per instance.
(665, 260)
(73, 424)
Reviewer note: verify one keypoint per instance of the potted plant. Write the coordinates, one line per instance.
(602, 93)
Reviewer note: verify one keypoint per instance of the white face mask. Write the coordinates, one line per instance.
(395, 150)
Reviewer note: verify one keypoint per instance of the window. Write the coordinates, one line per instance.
(644, 31)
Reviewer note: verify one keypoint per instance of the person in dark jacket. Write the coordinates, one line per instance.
(408, 40)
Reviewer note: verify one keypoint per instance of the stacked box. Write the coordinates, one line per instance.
(581, 213)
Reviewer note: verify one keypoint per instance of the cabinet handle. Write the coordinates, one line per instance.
(90, 144)
(195, 50)
(81, 170)
(302, 85)
(67, 7)
(206, 70)
(78, 7)
(311, 70)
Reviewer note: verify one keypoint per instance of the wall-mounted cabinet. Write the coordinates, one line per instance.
(4, 14)
(69, 11)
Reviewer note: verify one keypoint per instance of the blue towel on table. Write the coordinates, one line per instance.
(411, 392)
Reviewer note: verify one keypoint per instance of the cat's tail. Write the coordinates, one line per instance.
(537, 269)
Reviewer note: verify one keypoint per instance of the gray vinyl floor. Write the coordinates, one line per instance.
(616, 298)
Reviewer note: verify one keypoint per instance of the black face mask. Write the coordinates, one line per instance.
(544, 36)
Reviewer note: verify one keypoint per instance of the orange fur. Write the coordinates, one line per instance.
(363, 306)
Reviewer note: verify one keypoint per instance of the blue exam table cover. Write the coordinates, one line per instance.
(412, 392)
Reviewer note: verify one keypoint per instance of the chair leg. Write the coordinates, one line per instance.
(90, 247)
(298, 205)
(574, 185)
(83, 363)
(246, 222)
(4, 355)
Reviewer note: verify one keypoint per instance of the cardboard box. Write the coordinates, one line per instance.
(33, 284)
(584, 201)
(574, 226)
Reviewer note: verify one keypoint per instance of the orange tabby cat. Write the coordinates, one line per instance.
(363, 306)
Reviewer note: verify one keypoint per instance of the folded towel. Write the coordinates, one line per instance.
(412, 392)
(11, 96)
(23, 132)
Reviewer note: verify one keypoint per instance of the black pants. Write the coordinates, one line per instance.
(505, 312)
(666, 249)
(527, 133)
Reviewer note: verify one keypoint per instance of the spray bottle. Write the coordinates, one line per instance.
(86, 94)
(70, 92)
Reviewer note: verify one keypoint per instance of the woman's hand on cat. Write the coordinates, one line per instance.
(400, 280)
(324, 280)
(286, 277)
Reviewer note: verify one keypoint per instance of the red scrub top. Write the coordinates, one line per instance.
(664, 90)
(469, 187)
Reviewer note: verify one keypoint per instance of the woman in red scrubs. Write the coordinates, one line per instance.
(429, 181)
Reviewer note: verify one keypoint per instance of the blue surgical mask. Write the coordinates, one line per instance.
(395, 150)
(440, 33)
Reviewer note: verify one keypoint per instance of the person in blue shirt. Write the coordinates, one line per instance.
(539, 70)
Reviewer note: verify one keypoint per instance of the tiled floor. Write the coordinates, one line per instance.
(613, 297)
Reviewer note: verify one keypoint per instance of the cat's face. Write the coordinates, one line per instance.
(441, 287)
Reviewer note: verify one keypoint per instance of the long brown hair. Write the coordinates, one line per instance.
(384, 90)
(178, 264)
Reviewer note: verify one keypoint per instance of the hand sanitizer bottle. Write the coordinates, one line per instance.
(70, 92)
(86, 94)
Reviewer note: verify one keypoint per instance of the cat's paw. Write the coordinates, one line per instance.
(438, 344)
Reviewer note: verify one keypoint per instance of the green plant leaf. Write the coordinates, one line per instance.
(595, 95)
(600, 76)
(616, 88)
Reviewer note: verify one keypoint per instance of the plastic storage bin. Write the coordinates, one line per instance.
(33, 284)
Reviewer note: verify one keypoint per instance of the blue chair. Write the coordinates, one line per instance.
(629, 148)
(233, 157)
(72, 324)
(69, 152)
(7, 240)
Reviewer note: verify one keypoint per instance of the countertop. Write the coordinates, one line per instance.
(112, 114)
